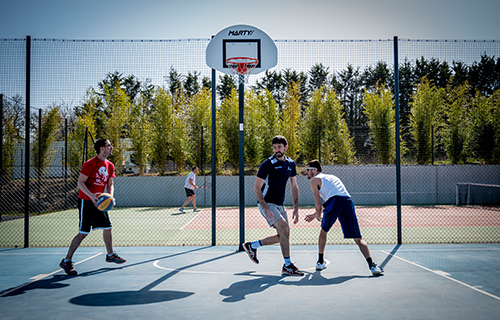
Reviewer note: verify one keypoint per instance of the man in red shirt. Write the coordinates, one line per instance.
(96, 175)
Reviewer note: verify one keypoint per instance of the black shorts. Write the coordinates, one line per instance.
(189, 192)
(91, 217)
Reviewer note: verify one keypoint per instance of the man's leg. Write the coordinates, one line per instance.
(322, 241)
(108, 240)
(75, 243)
(363, 247)
(283, 230)
(194, 202)
(186, 202)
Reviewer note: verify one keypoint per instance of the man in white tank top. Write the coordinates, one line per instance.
(338, 205)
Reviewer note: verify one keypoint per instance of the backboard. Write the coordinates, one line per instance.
(241, 41)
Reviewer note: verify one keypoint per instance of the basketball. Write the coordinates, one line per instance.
(105, 202)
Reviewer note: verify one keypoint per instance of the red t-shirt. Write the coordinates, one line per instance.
(98, 172)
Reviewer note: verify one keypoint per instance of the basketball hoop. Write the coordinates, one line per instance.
(242, 65)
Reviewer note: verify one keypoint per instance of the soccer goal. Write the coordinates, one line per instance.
(477, 194)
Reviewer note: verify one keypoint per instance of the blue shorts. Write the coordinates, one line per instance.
(343, 209)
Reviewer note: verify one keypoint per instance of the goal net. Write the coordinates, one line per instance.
(477, 194)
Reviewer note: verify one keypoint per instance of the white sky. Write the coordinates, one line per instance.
(280, 19)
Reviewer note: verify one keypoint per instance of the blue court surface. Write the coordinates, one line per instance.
(452, 281)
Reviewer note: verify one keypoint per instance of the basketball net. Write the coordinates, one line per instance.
(241, 67)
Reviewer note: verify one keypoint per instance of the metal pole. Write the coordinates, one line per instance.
(214, 108)
(1, 149)
(66, 160)
(39, 173)
(27, 146)
(241, 102)
(398, 152)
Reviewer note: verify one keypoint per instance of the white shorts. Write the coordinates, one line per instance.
(279, 212)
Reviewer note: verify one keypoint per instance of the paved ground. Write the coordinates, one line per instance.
(420, 282)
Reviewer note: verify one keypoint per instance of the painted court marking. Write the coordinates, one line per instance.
(444, 275)
(226, 273)
(43, 276)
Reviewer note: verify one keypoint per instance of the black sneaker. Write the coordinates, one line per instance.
(115, 258)
(291, 270)
(68, 268)
(252, 253)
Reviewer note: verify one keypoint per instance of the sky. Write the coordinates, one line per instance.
(280, 19)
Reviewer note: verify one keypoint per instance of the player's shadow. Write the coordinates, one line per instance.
(142, 296)
(56, 281)
(239, 290)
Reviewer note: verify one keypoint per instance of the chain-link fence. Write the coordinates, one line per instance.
(38, 208)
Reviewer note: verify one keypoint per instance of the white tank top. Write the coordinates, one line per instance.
(331, 186)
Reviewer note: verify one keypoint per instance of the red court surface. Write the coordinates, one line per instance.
(368, 217)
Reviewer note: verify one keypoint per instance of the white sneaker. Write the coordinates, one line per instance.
(376, 270)
(321, 266)
(182, 210)
(196, 210)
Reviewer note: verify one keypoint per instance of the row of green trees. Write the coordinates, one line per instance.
(442, 108)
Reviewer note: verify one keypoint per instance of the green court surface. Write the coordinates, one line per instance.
(166, 226)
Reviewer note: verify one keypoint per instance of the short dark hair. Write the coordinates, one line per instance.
(99, 144)
(315, 164)
(280, 139)
(195, 167)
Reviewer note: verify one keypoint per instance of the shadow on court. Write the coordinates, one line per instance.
(239, 290)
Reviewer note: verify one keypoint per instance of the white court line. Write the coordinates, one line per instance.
(43, 276)
(230, 273)
(192, 219)
(445, 275)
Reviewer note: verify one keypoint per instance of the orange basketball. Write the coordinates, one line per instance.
(105, 202)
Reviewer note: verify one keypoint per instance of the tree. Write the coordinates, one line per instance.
(199, 119)
(162, 130)
(274, 83)
(41, 151)
(271, 123)
(174, 80)
(191, 85)
(226, 87)
(426, 101)
(456, 129)
(228, 129)
(484, 131)
(485, 75)
(379, 109)
(338, 143)
(140, 132)
(118, 106)
(318, 76)
(13, 122)
(433, 70)
(253, 125)
(291, 116)
(378, 75)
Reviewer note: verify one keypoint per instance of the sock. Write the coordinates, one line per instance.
(370, 262)
(66, 260)
(109, 255)
(287, 261)
(320, 259)
(256, 244)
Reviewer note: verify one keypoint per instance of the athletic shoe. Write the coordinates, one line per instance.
(68, 268)
(252, 253)
(182, 210)
(376, 270)
(115, 258)
(320, 266)
(291, 270)
(196, 210)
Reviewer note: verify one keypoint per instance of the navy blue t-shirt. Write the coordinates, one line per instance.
(276, 174)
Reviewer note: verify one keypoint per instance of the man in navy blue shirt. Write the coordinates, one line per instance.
(270, 186)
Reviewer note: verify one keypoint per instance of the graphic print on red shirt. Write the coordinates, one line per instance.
(98, 173)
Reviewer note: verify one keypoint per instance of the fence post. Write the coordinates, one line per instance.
(27, 146)
(1, 149)
(39, 173)
(214, 171)
(398, 153)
